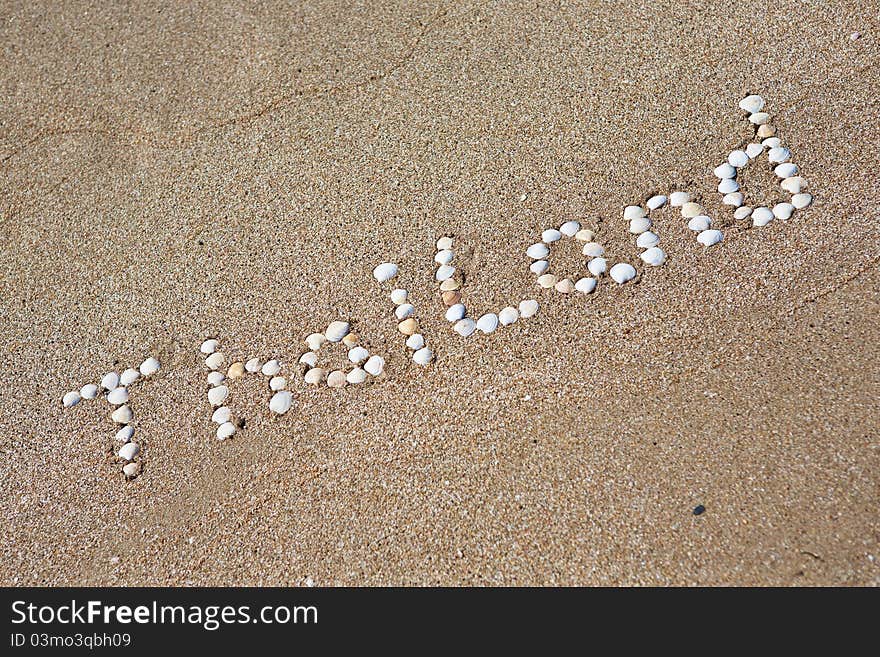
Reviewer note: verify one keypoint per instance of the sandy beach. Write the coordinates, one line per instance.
(171, 172)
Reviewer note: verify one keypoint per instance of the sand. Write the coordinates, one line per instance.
(171, 172)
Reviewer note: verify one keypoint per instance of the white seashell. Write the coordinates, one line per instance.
(118, 396)
(793, 185)
(655, 202)
(783, 210)
(122, 415)
(593, 250)
(778, 155)
(753, 150)
(357, 355)
(551, 235)
(444, 243)
(752, 104)
(337, 330)
(416, 341)
(622, 272)
(71, 399)
(709, 237)
(584, 235)
(215, 378)
(547, 281)
(647, 240)
(786, 170)
(336, 379)
(699, 223)
(444, 272)
(738, 159)
(221, 415)
(735, 199)
(128, 451)
(444, 257)
(89, 391)
(131, 470)
(631, 212)
(508, 316)
(149, 366)
(208, 347)
(725, 170)
(128, 377)
(728, 185)
(759, 118)
(569, 228)
(225, 430)
(586, 285)
(538, 267)
(386, 271)
(488, 322)
(597, 266)
(313, 341)
(801, 201)
(110, 381)
(654, 256)
(761, 216)
(537, 251)
(423, 356)
(455, 312)
(315, 376)
(124, 434)
(281, 402)
(639, 225)
(309, 358)
(215, 360)
(677, 199)
(374, 365)
(771, 142)
(565, 286)
(465, 327)
(691, 209)
(218, 395)
(357, 375)
(742, 212)
(277, 383)
(528, 308)
(271, 368)
(404, 310)
(399, 296)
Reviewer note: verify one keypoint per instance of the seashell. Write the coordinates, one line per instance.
(444, 272)
(778, 155)
(351, 340)
(569, 228)
(691, 209)
(423, 356)
(415, 341)
(271, 368)
(786, 170)
(399, 296)
(538, 267)
(277, 383)
(653, 256)
(444, 243)
(218, 395)
(465, 327)
(124, 434)
(631, 212)
(565, 286)
(357, 375)
(640, 225)
(408, 326)
(622, 273)
(450, 298)
(88, 391)
(374, 365)
(725, 170)
(315, 376)
(455, 312)
(699, 223)
(709, 237)
(221, 415)
(551, 235)
(449, 284)
(71, 399)
(281, 402)
(537, 251)
(357, 355)
(793, 185)
(753, 150)
(728, 185)
(118, 396)
(508, 316)
(752, 103)
(110, 381)
(766, 131)
(771, 142)
(655, 202)
(593, 250)
(735, 199)
(761, 216)
(131, 470)
(386, 271)
(404, 310)
(738, 159)
(122, 415)
(488, 322)
(528, 308)
(597, 266)
(742, 212)
(225, 430)
(254, 364)
(236, 370)
(678, 199)
(315, 341)
(647, 240)
(801, 201)
(128, 451)
(215, 378)
(208, 347)
(215, 360)
(336, 379)
(547, 281)
(584, 235)
(586, 285)
(783, 210)
(309, 358)
(444, 257)
(337, 330)
(759, 118)
(129, 376)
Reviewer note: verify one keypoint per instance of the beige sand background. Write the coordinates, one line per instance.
(170, 171)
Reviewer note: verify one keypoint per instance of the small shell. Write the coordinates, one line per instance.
(753, 150)
(761, 216)
(585, 235)
(657, 201)
(384, 272)
(771, 142)
(215, 378)
(742, 212)
(357, 355)
(122, 415)
(735, 199)
(622, 272)
(450, 298)
(221, 415)
(752, 104)
(408, 326)
(639, 225)
(783, 210)
(786, 170)
(449, 284)
(208, 347)
(415, 341)
(315, 376)
(271, 368)
(444, 243)
(357, 375)
(236, 370)
(585, 285)
(281, 402)
(309, 358)
(653, 256)
(631, 212)
(728, 185)
(528, 308)
(404, 310)
(537, 251)
(709, 237)
(128, 451)
(215, 360)
(569, 228)
(565, 286)
(551, 235)
(647, 240)
(691, 209)
(129, 376)
(444, 272)
(399, 296)
(759, 118)
(778, 155)
(725, 170)
(110, 381)
(699, 223)
(118, 396)
(538, 267)
(793, 185)
(455, 312)
(597, 266)
(547, 281)
(124, 434)
(351, 340)
(89, 391)
(225, 430)
(801, 201)
(488, 322)
(337, 330)
(738, 159)
(71, 399)
(336, 379)
(508, 316)
(465, 327)
(678, 199)
(218, 395)
(277, 383)
(593, 250)
(444, 257)
(374, 365)
(766, 130)
(423, 356)
(131, 470)
(254, 364)
(315, 341)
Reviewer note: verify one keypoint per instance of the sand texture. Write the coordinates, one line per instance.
(172, 171)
